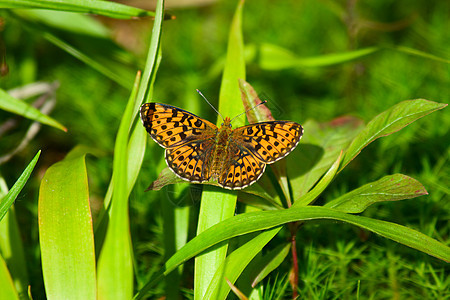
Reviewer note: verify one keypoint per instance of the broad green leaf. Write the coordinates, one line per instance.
(271, 261)
(320, 187)
(65, 231)
(104, 8)
(11, 196)
(318, 150)
(7, 290)
(23, 109)
(273, 57)
(218, 204)
(389, 188)
(115, 268)
(235, 263)
(255, 221)
(388, 122)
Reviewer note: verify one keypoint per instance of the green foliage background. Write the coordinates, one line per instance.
(333, 256)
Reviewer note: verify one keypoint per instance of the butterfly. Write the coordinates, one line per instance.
(198, 151)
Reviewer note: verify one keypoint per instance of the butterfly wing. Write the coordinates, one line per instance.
(269, 141)
(171, 126)
(242, 168)
(190, 161)
(188, 139)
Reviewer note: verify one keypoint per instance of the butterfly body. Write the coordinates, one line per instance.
(198, 151)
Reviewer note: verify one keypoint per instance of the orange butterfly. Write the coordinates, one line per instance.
(198, 151)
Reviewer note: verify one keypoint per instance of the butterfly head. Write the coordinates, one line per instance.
(226, 122)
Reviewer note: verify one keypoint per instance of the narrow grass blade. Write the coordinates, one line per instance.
(11, 196)
(271, 261)
(217, 204)
(23, 109)
(419, 53)
(389, 188)
(7, 290)
(103, 8)
(388, 122)
(273, 57)
(251, 222)
(115, 268)
(65, 231)
(235, 263)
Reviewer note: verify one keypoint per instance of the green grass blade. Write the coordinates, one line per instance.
(389, 188)
(235, 263)
(271, 261)
(251, 222)
(23, 109)
(388, 122)
(103, 8)
(11, 196)
(115, 267)
(419, 53)
(273, 57)
(65, 231)
(217, 204)
(7, 290)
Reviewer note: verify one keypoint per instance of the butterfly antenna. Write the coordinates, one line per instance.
(265, 101)
(198, 91)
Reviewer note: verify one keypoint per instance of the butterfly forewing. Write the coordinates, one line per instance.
(269, 141)
(171, 126)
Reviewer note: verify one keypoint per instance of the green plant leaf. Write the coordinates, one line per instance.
(320, 187)
(273, 57)
(23, 109)
(103, 8)
(217, 204)
(389, 188)
(388, 122)
(235, 263)
(255, 221)
(318, 150)
(11, 196)
(65, 231)
(8, 290)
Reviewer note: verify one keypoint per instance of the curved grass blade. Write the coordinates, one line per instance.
(115, 268)
(273, 57)
(217, 204)
(23, 109)
(103, 8)
(388, 122)
(11, 196)
(65, 231)
(389, 188)
(271, 261)
(251, 222)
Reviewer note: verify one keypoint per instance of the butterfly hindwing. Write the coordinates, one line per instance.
(171, 126)
(243, 168)
(269, 141)
(190, 161)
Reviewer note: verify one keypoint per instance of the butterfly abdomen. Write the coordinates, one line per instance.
(218, 163)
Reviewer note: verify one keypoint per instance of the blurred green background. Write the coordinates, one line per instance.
(90, 105)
